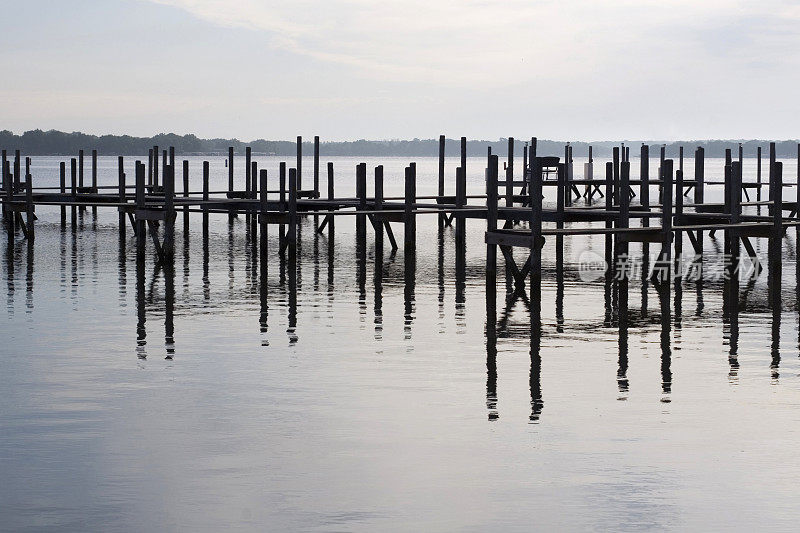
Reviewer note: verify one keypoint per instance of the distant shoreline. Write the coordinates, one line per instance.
(55, 143)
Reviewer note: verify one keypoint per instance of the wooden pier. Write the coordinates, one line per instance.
(616, 206)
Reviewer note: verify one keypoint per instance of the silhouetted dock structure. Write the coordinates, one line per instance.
(607, 203)
(149, 202)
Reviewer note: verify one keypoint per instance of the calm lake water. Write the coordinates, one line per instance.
(139, 400)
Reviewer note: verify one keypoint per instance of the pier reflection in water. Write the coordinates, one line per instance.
(343, 377)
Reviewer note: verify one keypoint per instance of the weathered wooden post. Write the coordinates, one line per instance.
(464, 157)
(169, 213)
(615, 176)
(17, 171)
(461, 204)
(282, 204)
(231, 212)
(247, 178)
(440, 189)
(292, 233)
(536, 235)
(94, 180)
(80, 169)
(622, 261)
(609, 223)
(9, 192)
(664, 271)
(776, 188)
(140, 223)
(735, 218)
(316, 166)
(62, 182)
(122, 198)
(728, 192)
(149, 167)
(679, 221)
(379, 221)
(3, 165)
(30, 217)
(510, 174)
(74, 189)
(409, 219)
(491, 218)
(361, 196)
(264, 226)
(299, 167)
(156, 154)
(758, 176)
(186, 199)
(205, 199)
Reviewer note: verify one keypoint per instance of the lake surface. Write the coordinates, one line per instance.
(138, 399)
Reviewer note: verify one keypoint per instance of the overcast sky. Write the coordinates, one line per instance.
(350, 69)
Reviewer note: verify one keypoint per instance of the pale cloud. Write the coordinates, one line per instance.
(496, 44)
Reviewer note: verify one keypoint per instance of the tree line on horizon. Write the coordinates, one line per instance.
(39, 142)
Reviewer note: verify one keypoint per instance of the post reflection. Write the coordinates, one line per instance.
(491, 349)
(666, 349)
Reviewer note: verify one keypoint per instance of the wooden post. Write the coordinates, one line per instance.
(282, 203)
(205, 196)
(772, 177)
(169, 211)
(80, 169)
(17, 170)
(361, 195)
(230, 169)
(121, 193)
(156, 153)
(622, 260)
(73, 188)
(666, 220)
(679, 219)
(736, 212)
(491, 217)
(94, 179)
(316, 166)
(464, 157)
(644, 178)
(758, 175)
(330, 180)
(231, 212)
(247, 172)
(379, 221)
(699, 175)
(140, 223)
(461, 202)
(727, 195)
(149, 167)
(9, 191)
(536, 234)
(262, 217)
(609, 223)
(615, 176)
(292, 234)
(30, 216)
(562, 190)
(440, 190)
(62, 181)
(409, 221)
(299, 163)
(186, 196)
(4, 174)
(510, 174)
(776, 182)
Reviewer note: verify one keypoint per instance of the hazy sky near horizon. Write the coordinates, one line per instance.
(350, 69)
